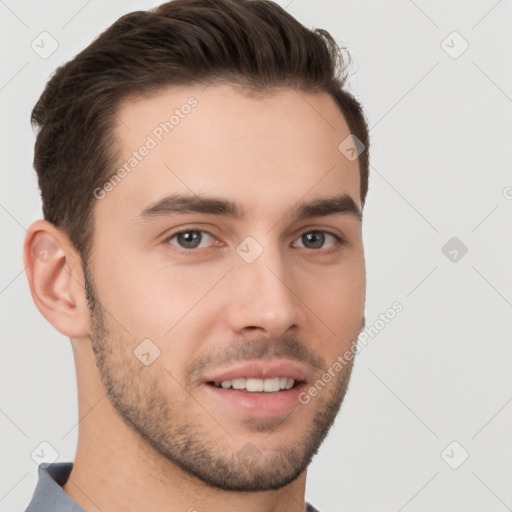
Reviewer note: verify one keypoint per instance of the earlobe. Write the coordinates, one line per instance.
(56, 279)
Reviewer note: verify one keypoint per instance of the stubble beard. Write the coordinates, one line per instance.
(146, 406)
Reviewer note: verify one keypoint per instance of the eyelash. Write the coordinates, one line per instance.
(339, 241)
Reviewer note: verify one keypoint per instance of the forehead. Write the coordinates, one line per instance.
(263, 150)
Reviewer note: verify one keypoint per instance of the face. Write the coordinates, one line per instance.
(211, 321)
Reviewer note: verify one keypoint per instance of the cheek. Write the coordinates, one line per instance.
(337, 297)
(155, 300)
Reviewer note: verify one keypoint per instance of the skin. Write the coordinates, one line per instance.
(150, 437)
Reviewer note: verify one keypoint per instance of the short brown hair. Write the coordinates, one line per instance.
(252, 44)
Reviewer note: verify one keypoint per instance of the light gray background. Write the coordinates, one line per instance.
(441, 164)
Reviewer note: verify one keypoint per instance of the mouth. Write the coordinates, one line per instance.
(258, 389)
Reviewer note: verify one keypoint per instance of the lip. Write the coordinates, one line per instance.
(259, 404)
(260, 370)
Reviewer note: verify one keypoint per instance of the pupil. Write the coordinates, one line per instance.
(311, 236)
(191, 239)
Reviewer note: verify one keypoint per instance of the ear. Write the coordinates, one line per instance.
(56, 279)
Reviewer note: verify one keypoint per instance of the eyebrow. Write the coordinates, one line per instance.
(176, 204)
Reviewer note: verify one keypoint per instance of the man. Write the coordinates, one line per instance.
(203, 174)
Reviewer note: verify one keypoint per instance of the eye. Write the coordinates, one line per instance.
(190, 238)
(315, 239)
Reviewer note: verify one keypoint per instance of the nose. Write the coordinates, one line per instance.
(262, 295)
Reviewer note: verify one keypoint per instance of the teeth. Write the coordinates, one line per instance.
(251, 385)
(238, 383)
(272, 384)
(254, 385)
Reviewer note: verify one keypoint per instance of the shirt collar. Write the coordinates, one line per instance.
(49, 496)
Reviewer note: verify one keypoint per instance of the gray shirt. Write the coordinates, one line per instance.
(49, 496)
